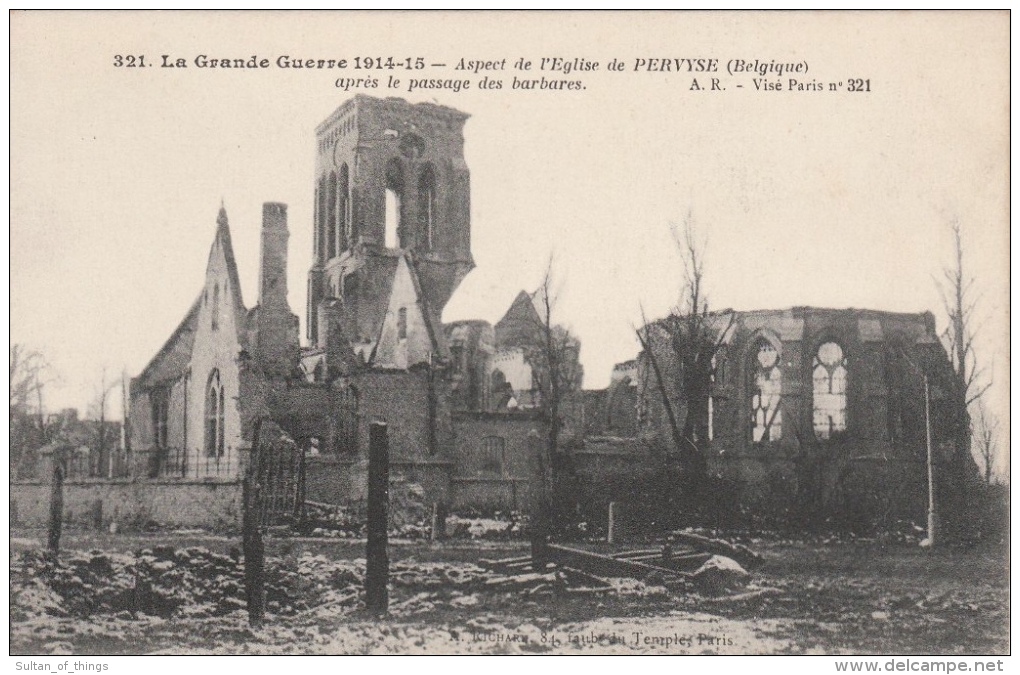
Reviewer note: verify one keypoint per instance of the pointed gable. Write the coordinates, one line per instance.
(220, 336)
(407, 334)
(221, 260)
(173, 359)
(520, 323)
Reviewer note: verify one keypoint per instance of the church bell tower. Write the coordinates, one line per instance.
(391, 181)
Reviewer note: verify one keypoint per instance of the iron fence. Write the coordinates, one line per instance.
(80, 464)
(197, 463)
(275, 478)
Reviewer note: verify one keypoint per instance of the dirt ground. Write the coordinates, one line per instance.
(860, 597)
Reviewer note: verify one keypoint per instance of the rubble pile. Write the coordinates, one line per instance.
(194, 582)
(497, 527)
(685, 562)
(166, 582)
(409, 519)
(329, 520)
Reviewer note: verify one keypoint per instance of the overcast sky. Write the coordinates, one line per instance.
(804, 198)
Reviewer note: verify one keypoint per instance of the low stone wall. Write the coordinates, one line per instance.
(330, 480)
(487, 494)
(131, 503)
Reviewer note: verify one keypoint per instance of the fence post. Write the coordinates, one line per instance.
(611, 528)
(540, 503)
(97, 514)
(438, 521)
(254, 551)
(299, 505)
(56, 507)
(377, 561)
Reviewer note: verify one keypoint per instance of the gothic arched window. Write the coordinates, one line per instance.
(320, 218)
(344, 234)
(766, 393)
(331, 229)
(214, 416)
(394, 206)
(427, 209)
(160, 399)
(829, 375)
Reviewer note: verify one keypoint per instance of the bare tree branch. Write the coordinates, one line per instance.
(959, 303)
(28, 375)
(987, 440)
(686, 343)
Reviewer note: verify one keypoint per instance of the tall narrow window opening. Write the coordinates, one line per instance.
(214, 415)
(331, 208)
(315, 225)
(766, 393)
(320, 220)
(427, 209)
(160, 413)
(394, 196)
(219, 426)
(829, 376)
(343, 211)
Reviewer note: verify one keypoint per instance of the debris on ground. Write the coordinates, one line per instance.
(695, 562)
(816, 598)
(720, 575)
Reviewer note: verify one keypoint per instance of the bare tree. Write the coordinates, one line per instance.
(957, 289)
(681, 350)
(29, 374)
(105, 435)
(554, 358)
(552, 352)
(986, 432)
(28, 370)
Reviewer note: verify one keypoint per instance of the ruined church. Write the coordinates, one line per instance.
(392, 241)
(816, 404)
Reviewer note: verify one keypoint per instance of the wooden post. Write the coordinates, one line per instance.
(611, 528)
(438, 521)
(540, 503)
(97, 515)
(930, 463)
(56, 506)
(254, 551)
(299, 505)
(377, 561)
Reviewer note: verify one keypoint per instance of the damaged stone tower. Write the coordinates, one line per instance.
(391, 183)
